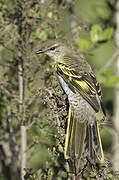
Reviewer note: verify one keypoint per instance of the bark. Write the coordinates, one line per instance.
(22, 117)
(116, 100)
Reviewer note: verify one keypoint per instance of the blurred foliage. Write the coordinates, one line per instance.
(98, 34)
(89, 27)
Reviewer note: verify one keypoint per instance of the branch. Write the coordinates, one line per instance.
(116, 100)
(110, 61)
(22, 117)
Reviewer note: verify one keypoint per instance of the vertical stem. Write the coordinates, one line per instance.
(22, 117)
(23, 151)
(13, 147)
(116, 105)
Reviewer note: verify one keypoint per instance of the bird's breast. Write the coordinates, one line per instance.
(65, 86)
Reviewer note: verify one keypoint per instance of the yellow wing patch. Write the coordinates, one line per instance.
(83, 84)
(67, 70)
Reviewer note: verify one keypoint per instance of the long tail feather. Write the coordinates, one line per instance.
(75, 137)
(89, 143)
(97, 142)
(79, 134)
(68, 135)
(93, 146)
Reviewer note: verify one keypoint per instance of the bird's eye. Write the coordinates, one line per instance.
(52, 48)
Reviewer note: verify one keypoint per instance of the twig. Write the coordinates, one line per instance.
(110, 61)
(6, 47)
(30, 125)
(82, 170)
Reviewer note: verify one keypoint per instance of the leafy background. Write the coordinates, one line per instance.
(88, 26)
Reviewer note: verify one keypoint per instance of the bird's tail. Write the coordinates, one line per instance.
(75, 137)
(93, 145)
(82, 135)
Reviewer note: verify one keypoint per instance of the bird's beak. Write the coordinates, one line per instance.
(39, 51)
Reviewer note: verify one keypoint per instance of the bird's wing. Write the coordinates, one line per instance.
(84, 83)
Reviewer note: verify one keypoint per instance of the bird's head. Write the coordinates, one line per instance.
(54, 48)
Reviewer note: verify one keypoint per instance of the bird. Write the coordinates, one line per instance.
(78, 81)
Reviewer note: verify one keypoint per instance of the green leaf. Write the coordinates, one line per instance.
(95, 33)
(106, 34)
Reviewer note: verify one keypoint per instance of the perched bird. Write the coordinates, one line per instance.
(84, 95)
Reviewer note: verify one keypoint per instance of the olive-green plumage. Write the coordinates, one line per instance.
(84, 94)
